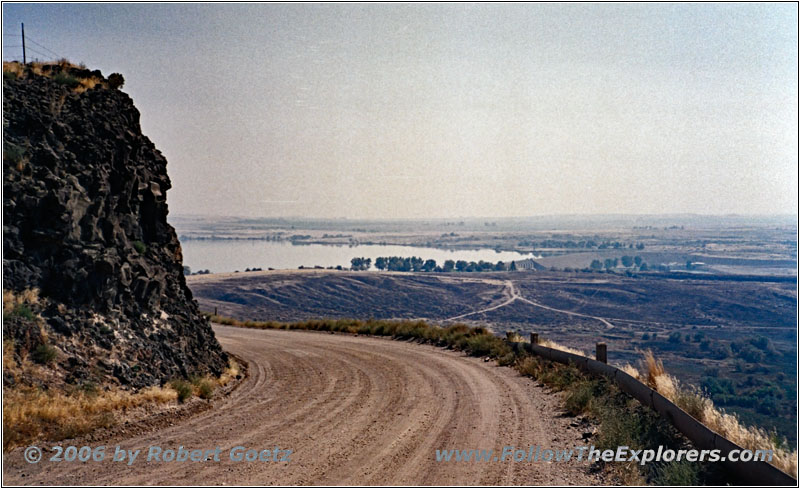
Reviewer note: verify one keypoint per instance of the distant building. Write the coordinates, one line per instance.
(528, 264)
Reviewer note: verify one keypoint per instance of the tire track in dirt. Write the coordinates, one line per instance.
(355, 410)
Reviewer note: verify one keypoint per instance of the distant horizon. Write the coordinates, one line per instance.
(404, 111)
(439, 218)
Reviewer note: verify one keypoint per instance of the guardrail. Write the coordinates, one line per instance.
(754, 472)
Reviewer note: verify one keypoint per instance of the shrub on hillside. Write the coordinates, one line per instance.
(183, 389)
(115, 81)
(66, 80)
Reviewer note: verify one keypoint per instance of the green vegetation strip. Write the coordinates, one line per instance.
(621, 419)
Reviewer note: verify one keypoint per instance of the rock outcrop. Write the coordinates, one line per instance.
(85, 222)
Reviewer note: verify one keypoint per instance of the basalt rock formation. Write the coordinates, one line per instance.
(85, 223)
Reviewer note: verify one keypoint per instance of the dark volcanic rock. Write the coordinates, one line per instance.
(85, 221)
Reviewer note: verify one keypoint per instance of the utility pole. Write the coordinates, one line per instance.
(24, 61)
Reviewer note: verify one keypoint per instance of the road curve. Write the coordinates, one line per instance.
(511, 295)
(354, 410)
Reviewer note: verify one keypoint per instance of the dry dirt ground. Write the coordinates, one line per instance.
(354, 410)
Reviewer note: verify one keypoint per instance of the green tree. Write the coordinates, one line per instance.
(513, 266)
(429, 265)
(449, 265)
(627, 261)
(461, 265)
(381, 263)
(360, 263)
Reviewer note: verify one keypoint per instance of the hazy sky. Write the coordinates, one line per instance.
(446, 110)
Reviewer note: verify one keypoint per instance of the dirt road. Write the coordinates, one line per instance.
(353, 410)
(510, 295)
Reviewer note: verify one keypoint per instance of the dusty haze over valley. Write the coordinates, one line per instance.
(383, 235)
(460, 110)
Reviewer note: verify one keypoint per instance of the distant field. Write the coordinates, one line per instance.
(296, 295)
(735, 338)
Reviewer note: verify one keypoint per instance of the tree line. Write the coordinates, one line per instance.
(417, 264)
(627, 262)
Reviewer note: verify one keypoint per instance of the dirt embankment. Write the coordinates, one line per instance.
(354, 411)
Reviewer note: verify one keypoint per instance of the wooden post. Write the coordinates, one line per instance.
(215, 311)
(24, 60)
(601, 353)
(534, 338)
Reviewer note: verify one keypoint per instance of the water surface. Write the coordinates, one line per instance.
(231, 255)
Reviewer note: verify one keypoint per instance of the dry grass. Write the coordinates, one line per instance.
(9, 363)
(43, 69)
(630, 370)
(14, 68)
(230, 374)
(557, 346)
(653, 368)
(702, 408)
(31, 414)
(12, 301)
(514, 337)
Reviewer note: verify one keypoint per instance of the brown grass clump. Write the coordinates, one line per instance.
(85, 84)
(557, 346)
(699, 406)
(630, 370)
(31, 414)
(13, 68)
(514, 337)
(12, 301)
(653, 368)
(9, 363)
(230, 374)
(749, 437)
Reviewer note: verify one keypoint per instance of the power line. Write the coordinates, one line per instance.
(44, 47)
(35, 51)
(48, 54)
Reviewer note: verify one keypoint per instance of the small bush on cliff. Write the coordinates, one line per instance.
(140, 247)
(12, 153)
(23, 311)
(44, 354)
(67, 80)
(115, 81)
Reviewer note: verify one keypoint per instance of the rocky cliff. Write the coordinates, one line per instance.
(85, 222)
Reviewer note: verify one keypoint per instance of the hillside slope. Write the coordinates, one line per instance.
(85, 223)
